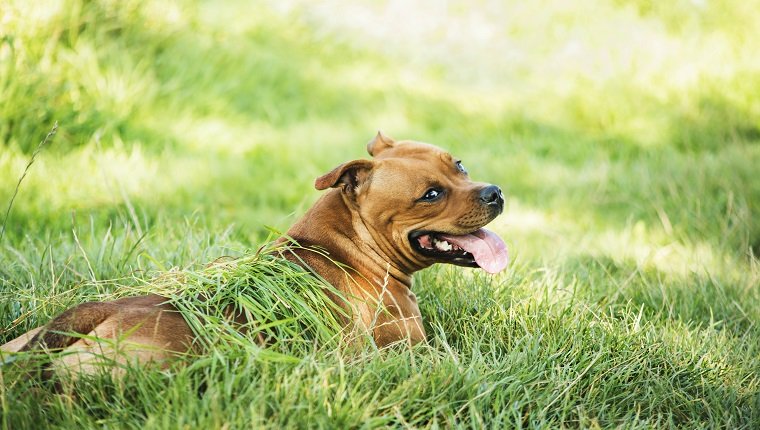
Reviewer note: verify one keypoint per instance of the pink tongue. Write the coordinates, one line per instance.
(489, 250)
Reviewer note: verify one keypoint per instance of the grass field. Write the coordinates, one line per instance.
(626, 135)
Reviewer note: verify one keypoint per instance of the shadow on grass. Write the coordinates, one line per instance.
(703, 300)
(606, 360)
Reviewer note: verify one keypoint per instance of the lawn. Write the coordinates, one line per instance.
(625, 134)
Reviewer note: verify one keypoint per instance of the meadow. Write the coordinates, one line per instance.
(625, 134)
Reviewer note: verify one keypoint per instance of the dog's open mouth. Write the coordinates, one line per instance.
(481, 248)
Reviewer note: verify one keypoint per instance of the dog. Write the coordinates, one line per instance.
(410, 206)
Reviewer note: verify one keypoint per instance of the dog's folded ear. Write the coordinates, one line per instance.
(349, 175)
(379, 144)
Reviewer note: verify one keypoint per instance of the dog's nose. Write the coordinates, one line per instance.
(492, 196)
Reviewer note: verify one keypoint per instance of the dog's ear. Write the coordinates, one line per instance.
(379, 144)
(349, 175)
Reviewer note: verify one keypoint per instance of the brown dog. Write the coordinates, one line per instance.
(412, 205)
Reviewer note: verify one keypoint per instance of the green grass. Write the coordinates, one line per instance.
(626, 135)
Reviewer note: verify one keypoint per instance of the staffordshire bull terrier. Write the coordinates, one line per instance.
(410, 206)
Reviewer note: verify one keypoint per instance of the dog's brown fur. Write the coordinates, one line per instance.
(364, 222)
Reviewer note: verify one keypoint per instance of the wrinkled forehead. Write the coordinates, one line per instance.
(408, 164)
(415, 150)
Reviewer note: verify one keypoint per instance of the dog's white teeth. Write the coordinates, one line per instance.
(442, 245)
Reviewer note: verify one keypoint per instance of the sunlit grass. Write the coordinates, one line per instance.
(624, 134)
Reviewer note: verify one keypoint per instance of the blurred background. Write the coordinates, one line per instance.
(624, 133)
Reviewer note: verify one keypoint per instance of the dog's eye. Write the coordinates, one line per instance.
(432, 194)
(461, 168)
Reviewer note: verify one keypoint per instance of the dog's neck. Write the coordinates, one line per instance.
(344, 245)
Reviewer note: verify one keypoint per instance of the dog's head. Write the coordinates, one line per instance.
(420, 206)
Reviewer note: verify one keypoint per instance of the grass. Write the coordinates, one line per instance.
(625, 134)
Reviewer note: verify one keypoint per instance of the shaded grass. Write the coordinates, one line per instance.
(188, 129)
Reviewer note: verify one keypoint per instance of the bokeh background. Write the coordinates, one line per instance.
(625, 134)
(631, 124)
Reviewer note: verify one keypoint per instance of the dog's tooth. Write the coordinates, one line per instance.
(442, 245)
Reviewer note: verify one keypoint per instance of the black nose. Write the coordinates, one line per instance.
(491, 195)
